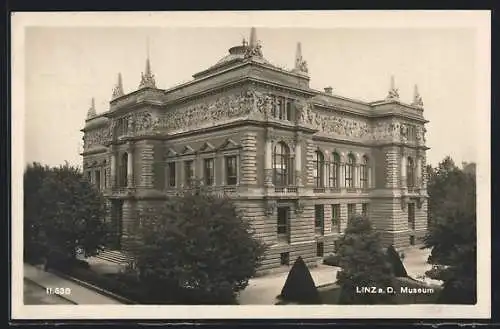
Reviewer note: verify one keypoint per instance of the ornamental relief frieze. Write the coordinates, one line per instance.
(208, 113)
(331, 124)
(96, 137)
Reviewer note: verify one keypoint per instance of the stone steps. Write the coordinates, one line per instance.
(114, 256)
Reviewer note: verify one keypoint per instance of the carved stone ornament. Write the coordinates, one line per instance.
(420, 202)
(271, 207)
(404, 203)
(299, 209)
(220, 109)
(96, 137)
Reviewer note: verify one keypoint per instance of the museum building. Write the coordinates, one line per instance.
(299, 162)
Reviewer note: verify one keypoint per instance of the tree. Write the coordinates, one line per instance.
(299, 286)
(63, 211)
(199, 246)
(364, 264)
(452, 234)
(452, 211)
(34, 239)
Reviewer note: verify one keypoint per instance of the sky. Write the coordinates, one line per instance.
(66, 66)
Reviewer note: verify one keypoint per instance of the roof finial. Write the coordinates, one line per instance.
(393, 91)
(118, 90)
(147, 77)
(253, 38)
(300, 63)
(254, 47)
(91, 112)
(417, 99)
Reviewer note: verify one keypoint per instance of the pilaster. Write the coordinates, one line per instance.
(145, 152)
(249, 159)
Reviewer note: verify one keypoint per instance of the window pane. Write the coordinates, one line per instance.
(208, 172)
(231, 170)
(188, 172)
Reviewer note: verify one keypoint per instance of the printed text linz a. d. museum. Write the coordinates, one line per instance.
(298, 161)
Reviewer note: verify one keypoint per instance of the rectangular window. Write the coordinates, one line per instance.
(334, 171)
(289, 110)
(319, 213)
(188, 172)
(171, 175)
(351, 210)
(89, 176)
(231, 170)
(105, 176)
(364, 209)
(320, 250)
(208, 171)
(411, 216)
(349, 173)
(98, 179)
(363, 171)
(285, 258)
(283, 223)
(335, 218)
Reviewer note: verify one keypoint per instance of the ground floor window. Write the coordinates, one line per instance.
(285, 258)
(319, 249)
(283, 224)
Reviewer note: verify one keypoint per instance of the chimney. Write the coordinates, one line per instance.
(328, 90)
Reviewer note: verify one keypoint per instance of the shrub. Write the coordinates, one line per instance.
(199, 247)
(331, 260)
(398, 267)
(299, 285)
(363, 262)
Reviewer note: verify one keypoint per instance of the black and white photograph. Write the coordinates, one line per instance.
(185, 165)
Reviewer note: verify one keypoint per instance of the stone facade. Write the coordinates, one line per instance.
(297, 161)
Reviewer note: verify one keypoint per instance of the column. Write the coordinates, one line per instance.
(342, 171)
(298, 163)
(370, 177)
(403, 170)
(112, 182)
(130, 166)
(419, 172)
(268, 168)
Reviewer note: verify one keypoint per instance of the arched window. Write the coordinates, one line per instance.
(349, 171)
(335, 171)
(363, 172)
(410, 172)
(123, 170)
(281, 165)
(319, 171)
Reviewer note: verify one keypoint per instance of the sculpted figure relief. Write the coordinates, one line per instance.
(222, 108)
(96, 137)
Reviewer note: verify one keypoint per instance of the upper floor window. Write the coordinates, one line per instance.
(208, 171)
(282, 108)
(98, 178)
(410, 174)
(282, 165)
(363, 172)
(319, 171)
(231, 170)
(171, 175)
(349, 171)
(123, 170)
(188, 172)
(335, 171)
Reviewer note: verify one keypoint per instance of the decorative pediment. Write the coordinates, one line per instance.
(229, 144)
(188, 150)
(207, 147)
(170, 153)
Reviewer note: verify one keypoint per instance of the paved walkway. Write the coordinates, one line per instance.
(79, 294)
